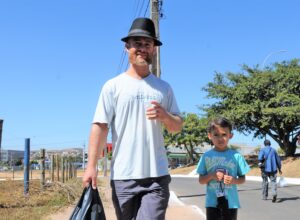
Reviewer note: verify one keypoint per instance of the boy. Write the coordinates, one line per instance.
(221, 169)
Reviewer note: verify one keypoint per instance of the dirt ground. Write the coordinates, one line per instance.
(290, 167)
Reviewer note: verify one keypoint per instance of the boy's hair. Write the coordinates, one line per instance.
(220, 121)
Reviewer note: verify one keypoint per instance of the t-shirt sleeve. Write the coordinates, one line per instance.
(201, 167)
(105, 108)
(172, 104)
(243, 167)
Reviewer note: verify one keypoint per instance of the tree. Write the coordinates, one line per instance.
(193, 134)
(266, 102)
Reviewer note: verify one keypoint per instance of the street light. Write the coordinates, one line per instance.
(270, 54)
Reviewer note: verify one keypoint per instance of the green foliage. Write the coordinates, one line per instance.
(266, 102)
(257, 149)
(109, 155)
(193, 134)
(280, 151)
(234, 147)
(18, 162)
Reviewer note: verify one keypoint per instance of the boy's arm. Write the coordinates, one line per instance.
(218, 176)
(232, 180)
(204, 179)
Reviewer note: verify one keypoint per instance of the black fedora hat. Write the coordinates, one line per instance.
(142, 27)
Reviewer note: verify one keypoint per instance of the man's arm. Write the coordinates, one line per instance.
(97, 142)
(261, 155)
(278, 162)
(173, 123)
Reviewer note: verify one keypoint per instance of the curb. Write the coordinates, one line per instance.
(289, 180)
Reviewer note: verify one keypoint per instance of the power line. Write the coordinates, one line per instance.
(140, 12)
(147, 8)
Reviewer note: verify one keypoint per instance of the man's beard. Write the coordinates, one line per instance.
(146, 61)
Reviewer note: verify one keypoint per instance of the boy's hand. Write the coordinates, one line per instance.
(219, 176)
(228, 179)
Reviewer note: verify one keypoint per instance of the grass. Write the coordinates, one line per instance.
(39, 203)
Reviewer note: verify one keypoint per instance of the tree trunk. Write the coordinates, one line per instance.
(290, 149)
(190, 153)
(285, 144)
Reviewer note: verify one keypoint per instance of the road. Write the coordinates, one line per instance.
(190, 192)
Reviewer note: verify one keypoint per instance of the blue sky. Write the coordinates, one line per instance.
(56, 55)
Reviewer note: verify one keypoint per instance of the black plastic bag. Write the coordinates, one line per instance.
(89, 207)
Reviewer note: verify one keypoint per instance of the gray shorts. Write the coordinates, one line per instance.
(141, 199)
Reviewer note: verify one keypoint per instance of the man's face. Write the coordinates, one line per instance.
(140, 50)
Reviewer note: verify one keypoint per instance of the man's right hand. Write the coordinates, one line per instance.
(90, 176)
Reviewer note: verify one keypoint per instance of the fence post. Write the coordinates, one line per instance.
(52, 167)
(67, 169)
(42, 164)
(57, 166)
(63, 169)
(26, 166)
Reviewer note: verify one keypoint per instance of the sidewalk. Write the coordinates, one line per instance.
(175, 211)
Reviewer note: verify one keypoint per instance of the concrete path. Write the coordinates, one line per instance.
(176, 209)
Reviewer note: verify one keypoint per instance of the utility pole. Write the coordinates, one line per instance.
(155, 15)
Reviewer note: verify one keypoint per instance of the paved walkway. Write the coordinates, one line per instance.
(176, 209)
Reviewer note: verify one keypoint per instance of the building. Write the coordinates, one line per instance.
(178, 155)
(11, 155)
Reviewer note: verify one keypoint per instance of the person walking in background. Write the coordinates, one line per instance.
(221, 169)
(271, 165)
(135, 105)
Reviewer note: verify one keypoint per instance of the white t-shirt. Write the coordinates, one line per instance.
(138, 144)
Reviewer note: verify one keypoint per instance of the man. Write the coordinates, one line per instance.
(272, 164)
(135, 105)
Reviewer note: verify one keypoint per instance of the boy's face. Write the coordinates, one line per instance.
(220, 137)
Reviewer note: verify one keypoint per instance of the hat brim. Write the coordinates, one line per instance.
(156, 42)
